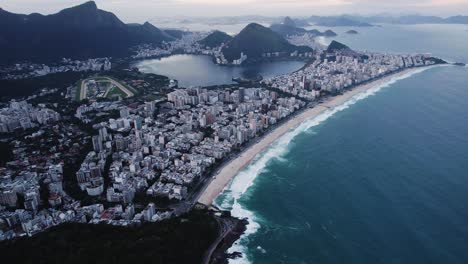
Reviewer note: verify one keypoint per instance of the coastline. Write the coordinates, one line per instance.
(226, 173)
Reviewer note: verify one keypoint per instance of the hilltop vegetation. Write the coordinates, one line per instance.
(215, 39)
(178, 240)
(337, 46)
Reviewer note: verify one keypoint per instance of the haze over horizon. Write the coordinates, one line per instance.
(142, 10)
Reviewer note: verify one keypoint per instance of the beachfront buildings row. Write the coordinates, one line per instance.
(331, 73)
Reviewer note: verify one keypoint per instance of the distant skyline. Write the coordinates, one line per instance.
(142, 10)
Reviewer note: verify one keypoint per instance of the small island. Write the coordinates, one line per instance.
(352, 32)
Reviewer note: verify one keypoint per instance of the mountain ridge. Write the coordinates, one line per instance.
(80, 31)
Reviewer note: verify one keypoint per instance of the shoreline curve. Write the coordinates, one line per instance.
(224, 175)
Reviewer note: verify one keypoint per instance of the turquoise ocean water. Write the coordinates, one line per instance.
(382, 178)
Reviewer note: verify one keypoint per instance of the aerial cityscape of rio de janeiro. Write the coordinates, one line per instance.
(248, 131)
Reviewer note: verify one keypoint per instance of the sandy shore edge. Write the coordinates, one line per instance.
(225, 174)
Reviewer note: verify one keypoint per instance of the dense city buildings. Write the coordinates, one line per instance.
(162, 151)
(173, 150)
(22, 115)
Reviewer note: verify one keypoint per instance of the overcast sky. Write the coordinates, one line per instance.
(141, 10)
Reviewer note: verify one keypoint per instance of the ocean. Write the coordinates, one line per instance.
(382, 178)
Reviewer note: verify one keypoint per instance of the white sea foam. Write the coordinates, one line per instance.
(245, 179)
(259, 248)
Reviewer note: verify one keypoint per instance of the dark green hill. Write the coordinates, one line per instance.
(148, 33)
(177, 240)
(337, 46)
(255, 40)
(215, 39)
(340, 48)
(82, 31)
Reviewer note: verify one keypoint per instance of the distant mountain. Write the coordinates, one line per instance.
(215, 39)
(338, 21)
(301, 22)
(326, 33)
(287, 30)
(406, 19)
(255, 40)
(457, 20)
(417, 20)
(315, 32)
(289, 22)
(351, 32)
(78, 32)
(329, 33)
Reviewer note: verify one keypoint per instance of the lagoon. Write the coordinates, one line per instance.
(200, 70)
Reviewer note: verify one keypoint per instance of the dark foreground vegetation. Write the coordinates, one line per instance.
(180, 240)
